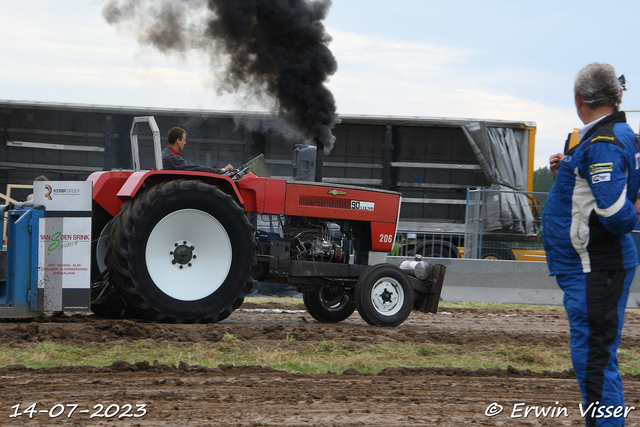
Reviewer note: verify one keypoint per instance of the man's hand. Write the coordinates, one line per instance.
(228, 168)
(554, 162)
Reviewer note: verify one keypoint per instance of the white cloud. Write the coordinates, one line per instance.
(90, 62)
(383, 77)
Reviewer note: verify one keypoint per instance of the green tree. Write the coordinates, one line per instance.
(543, 180)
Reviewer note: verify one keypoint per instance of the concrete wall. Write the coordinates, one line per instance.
(515, 282)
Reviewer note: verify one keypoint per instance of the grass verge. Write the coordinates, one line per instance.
(320, 357)
(442, 306)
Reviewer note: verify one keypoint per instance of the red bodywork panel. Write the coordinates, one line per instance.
(341, 202)
(263, 195)
(270, 196)
(382, 236)
(112, 189)
(105, 188)
(379, 208)
(135, 181)
(320, 200)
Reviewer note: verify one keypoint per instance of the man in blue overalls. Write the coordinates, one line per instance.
(587, 222)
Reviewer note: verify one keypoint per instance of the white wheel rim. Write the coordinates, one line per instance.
(208, 249)
(387, 296)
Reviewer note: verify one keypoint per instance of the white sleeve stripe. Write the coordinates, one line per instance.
(613, 209)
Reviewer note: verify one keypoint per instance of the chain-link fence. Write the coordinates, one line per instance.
(499, 221)
(500, 224)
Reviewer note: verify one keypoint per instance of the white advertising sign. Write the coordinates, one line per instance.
(63, 195)
(64, 244)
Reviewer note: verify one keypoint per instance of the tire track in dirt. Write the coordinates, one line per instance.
(261, 396)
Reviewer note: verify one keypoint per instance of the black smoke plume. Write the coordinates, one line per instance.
(277, 47)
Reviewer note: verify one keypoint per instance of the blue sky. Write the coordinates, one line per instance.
(510, 60)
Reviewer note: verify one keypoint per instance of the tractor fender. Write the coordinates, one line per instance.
(106, 185)
(138, 180)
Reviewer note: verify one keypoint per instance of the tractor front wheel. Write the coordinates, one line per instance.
(384, 295)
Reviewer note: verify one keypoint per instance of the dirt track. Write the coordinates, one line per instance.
(260, 396)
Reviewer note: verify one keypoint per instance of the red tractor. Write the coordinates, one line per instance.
(183, 246)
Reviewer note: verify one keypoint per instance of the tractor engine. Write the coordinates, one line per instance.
(282, 239)
(314, 239)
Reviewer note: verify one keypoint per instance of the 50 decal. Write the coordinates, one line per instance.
(362, 206)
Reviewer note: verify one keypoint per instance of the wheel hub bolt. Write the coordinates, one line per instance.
(182, 255)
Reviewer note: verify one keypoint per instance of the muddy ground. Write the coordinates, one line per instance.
(260, 396)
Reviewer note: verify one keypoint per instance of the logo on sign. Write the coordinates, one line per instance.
(66, 191)
(60, 191)
(60, 241)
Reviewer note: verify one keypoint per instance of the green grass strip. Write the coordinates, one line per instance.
(322, 357)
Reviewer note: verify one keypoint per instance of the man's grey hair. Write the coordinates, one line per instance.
(598, 85)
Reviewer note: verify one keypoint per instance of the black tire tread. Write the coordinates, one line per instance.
(119, 250)
(363, 295)
(316, 309)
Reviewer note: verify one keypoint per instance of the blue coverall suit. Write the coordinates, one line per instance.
(587, 222)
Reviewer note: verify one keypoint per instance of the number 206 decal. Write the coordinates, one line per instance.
(386, 238)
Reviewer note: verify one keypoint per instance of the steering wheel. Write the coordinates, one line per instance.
(236, 174)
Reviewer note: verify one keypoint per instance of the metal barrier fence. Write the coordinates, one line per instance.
(501, 224)
(504, 220)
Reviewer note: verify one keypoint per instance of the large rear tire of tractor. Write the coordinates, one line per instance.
(384, 295)
(329, 305)
(182, 251)
(104, 300)
(100, 226)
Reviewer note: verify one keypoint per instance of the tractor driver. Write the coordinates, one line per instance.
(173, 160)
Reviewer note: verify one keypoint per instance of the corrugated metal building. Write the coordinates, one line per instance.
(428, 160)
